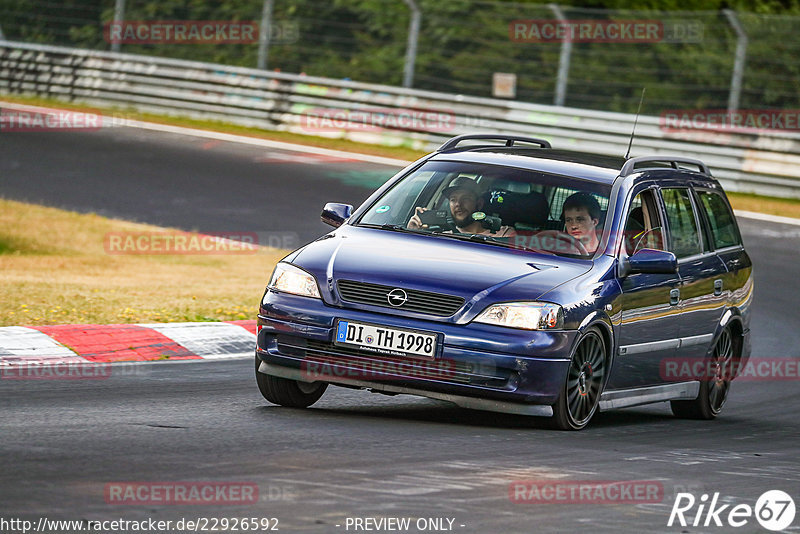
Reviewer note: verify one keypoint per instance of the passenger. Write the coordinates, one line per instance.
(581, 215)
(465, 199)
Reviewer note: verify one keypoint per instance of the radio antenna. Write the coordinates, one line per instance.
(635, 121)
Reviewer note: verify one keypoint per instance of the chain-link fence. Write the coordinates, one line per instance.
(686, 60)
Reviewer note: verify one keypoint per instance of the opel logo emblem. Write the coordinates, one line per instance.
(397, 297)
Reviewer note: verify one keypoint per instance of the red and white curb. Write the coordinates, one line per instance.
(70, 344)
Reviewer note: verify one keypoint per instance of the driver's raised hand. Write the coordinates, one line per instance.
(415, 222)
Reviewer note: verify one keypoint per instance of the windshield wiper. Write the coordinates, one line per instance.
(394, 228)
(484, 238)
(481, 238)
(476, 238)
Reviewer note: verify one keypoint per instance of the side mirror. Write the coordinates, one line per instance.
(648, 260)
(335, 214)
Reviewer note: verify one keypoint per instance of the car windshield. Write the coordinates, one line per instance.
(505, 206)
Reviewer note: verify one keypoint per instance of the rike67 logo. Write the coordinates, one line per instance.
(774, 510)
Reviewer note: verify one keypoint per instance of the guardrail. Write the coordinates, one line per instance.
(765, 162)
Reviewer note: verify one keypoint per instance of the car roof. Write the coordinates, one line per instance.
(593, 167)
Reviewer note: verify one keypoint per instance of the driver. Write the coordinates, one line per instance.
(465, 199)
(581, 215)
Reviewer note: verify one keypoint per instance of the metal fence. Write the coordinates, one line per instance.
(698, 59)
(765, 162)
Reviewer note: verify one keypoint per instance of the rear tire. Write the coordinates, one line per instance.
(580, 395)
(713, 389)
(286, 392)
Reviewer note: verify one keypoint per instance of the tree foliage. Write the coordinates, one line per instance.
(463, 42)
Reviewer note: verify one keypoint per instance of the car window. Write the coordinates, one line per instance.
(723, 225)
(684, 237)
(406, 198)
(643, 228)
(558, 195)
(504, 205)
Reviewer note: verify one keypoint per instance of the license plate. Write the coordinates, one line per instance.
(384, 340)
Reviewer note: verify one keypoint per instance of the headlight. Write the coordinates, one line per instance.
(291, 279)
(526, 315)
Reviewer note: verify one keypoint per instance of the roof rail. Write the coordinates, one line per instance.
(673, 161)
(509, 139)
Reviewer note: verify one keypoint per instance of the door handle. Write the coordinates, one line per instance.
(734, 263)
(674, 296)
(717, 287)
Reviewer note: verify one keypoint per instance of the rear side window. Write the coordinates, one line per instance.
(685, 240)
(723, 225)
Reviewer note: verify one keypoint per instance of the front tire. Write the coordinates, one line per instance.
(580, 395)
(714, 387)
(286, 392)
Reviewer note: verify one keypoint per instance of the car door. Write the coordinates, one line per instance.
(701, 299)
(723, 233)
(648, 330)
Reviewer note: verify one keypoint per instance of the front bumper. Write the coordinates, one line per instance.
(478, 366)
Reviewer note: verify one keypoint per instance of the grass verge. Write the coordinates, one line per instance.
(785, 207)
(54, 269)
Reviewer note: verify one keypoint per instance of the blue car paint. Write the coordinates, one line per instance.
(590, 291)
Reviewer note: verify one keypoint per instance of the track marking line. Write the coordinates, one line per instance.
(234, 138)
(767, 217)
(307, 149)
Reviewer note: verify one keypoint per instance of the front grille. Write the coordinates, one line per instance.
(418, 301)
(334, 359)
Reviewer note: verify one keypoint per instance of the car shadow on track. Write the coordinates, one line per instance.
(431, 411)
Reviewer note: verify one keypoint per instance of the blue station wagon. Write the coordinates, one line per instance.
(501, 274)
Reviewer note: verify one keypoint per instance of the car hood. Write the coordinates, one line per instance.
(477, 272)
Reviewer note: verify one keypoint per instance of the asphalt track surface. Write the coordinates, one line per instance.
(354, 454)
(185, 182)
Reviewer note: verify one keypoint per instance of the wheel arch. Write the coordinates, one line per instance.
(733, 319)
(601, 321)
